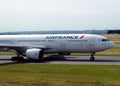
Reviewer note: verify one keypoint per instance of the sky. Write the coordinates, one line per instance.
(44, 15)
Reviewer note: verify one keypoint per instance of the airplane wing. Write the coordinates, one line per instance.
(15, 46)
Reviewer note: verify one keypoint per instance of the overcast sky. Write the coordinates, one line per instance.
(20, 15)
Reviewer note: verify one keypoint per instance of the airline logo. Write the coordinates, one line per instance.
(82, 36)
(64, 37)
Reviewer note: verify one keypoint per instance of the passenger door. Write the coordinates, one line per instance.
(91, 44)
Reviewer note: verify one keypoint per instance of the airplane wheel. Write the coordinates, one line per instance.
(20, 59)
(14, 58)
(92, 58)
(17, 59)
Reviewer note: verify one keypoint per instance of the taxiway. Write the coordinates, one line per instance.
(99, 60)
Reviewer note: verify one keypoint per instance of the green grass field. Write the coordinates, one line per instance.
(59, 75)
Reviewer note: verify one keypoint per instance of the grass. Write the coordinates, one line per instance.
(7, 53)
(59, 75)
(113, 37)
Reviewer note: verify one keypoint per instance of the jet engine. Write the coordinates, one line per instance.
(35, 54)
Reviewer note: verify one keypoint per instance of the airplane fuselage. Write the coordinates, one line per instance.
(56, 43)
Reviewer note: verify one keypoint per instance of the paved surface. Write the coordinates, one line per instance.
(100, 60)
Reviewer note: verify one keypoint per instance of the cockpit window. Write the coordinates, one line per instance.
(105, 40)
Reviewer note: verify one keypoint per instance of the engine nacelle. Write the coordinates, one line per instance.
(35, 54)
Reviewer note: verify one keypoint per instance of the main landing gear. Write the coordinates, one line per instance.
(18, 58)
(92, 58)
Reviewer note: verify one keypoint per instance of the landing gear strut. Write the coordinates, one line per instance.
(92, 58)
(18, 58)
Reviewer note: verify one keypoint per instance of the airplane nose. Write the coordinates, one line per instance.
(112, 44)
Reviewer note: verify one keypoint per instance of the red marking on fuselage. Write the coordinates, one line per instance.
(82, 37)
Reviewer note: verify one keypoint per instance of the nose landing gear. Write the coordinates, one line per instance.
(92, 58)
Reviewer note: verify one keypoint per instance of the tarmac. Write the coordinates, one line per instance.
(79, 60)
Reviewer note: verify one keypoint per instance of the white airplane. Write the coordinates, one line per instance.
(35, 46)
